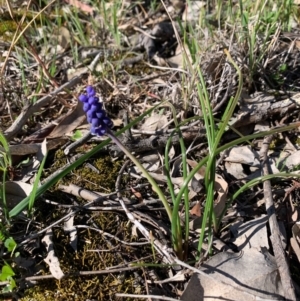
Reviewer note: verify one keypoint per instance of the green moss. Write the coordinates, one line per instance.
(8, 26)
(100, 176)
(90, 257)
(276, 143)
(298, 141)
(97, 174)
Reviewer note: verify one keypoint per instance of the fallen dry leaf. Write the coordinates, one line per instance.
(247, 276)
(154, 122)
(16, 191)
(196, 210)
(293, 160)
(69, 123)
(137, 195)
(201, 171)
(51, 258)
(243, 155)
(221, 187)
(82, 6)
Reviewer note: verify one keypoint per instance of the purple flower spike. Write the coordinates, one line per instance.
(101, 131)
(90, 91)
(96, 107)
(107, 121)
(83, 98)
(93, 130)
(86, 107)
(93, 100)
(100, 114)
(89, 119)
(95, 114)
(96, 122)
(90, 114)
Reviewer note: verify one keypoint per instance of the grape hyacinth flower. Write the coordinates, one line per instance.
(96, 116)
(101, 125)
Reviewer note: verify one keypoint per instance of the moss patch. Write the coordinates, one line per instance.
(92, 255)
(96, 251)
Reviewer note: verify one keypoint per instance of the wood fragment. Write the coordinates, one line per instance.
(279, 252)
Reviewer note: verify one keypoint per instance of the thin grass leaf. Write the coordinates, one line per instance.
(32, 196)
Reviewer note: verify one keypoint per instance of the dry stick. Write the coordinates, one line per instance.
(54, 224)
(112, 236)
(31, 109)
(156, 297)
(162, 249)
(76, 209)
(79, 273)
(44, 101)
(288, 287)
(280, 108)
(106, 200)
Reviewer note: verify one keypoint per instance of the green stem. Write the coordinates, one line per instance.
(143, 170)
(175, 224)
(4, 203)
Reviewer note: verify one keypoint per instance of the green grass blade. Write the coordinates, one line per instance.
(32, 196)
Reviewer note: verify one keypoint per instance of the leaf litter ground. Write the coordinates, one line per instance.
(79, 228)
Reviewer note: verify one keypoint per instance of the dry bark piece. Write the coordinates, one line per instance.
(243, 155)
(295, 240)
(26, 149)
(16, 191)
(293, 160)
(30, 110)
(252, 234)
(154, 122)
(70, 122)
(72, 231)
(51, 258)
(245, 276)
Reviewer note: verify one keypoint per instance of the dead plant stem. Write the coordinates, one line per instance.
(287, 284)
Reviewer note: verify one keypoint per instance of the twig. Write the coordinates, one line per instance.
(70, 148)
(156, 297)
(79, 273)
(31, 109)
(112, 236)
(168, 257)
(287, 284)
